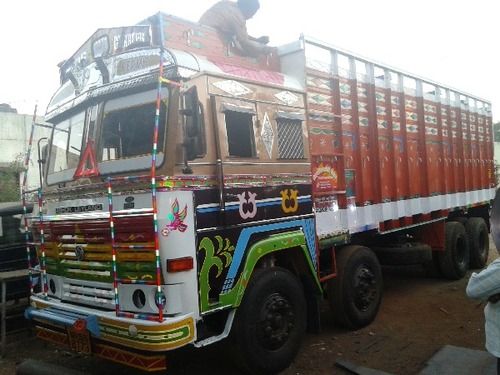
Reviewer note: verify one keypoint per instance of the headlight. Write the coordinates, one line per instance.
(145, 299)
(52, 286)
(139, 298)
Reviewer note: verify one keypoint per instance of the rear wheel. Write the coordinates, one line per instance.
(270, 323)
(479, 244)
(454, 261)
(459, 219)
(404, 254)
(355, 294)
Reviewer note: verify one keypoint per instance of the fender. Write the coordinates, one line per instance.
(272, 244)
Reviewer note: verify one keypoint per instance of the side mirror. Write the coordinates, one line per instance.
(42, 157)
(191, 112)
(45, 151)
(192, 124)
(190, 148)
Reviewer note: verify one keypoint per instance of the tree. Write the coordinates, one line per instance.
(9, 181)
(496, 131)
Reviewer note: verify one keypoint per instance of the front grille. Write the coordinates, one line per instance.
(80, 252)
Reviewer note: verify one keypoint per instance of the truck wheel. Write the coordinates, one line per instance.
(432, 268)
(454, 261)
(270, 322)
(404, 255)
(479, 243)
(355, 294)
(460, 219)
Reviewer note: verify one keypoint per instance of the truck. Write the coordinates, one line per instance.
(192, 194)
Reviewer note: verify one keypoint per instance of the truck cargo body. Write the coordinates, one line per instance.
(269, 184)
(406, 146)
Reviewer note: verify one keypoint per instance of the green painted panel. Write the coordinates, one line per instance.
(274, 243)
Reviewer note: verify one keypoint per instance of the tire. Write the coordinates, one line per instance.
(454, 261)
(270, 322)
(459, 219)
(355, 294)
(411, 253)
(432, 268)
(479, 242)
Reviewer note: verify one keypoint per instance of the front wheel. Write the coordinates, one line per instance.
(270, 323)
(355, 294)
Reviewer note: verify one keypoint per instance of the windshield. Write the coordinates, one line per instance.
(67, 143)
(123, 136)
(128, 125)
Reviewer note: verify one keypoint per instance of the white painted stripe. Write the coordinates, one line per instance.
(359, 219)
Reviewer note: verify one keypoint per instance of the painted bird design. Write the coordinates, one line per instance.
(176, 218)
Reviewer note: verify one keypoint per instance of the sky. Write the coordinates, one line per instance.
(453, 42)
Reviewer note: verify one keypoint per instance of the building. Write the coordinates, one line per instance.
(15, 129)
(496, 150)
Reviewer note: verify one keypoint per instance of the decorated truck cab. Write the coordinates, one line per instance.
(192, 194)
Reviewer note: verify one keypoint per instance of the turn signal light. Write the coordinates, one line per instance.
(80, 325)
(180, 264)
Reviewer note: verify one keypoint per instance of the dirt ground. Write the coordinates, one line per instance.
(418, 316)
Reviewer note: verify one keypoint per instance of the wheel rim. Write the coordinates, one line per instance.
(365, 287)
(276, 323)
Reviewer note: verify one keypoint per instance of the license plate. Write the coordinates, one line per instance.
(79, 341)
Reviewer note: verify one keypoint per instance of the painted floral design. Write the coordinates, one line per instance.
(220, 257)
(176, 220)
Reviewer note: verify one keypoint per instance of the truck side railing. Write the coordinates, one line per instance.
(24, 193)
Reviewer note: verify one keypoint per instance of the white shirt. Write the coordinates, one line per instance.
(481, 286)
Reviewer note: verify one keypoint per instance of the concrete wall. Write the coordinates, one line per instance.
(496, 152)
(14, 137)
(496, 156)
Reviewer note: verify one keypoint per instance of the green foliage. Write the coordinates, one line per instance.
(496, 131)
(9, 181)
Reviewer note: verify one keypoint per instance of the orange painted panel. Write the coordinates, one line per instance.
(383, 110)
(365, 145)
(483, 154)
(414, 169)
(400, 146)
(433, 146)
(449, 181)
(457, 146)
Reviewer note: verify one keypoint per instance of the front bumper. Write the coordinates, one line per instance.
(134, 342)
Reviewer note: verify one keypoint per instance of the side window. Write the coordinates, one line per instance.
(76, 129)
(128, 126)
(240, 135)
(290, 139)
(67, 143)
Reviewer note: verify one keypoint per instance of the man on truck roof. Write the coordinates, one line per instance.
(229, 19)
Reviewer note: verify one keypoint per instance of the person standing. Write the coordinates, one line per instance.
(485, 286)
(229, 18)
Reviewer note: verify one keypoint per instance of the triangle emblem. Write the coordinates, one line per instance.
(88, 164)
